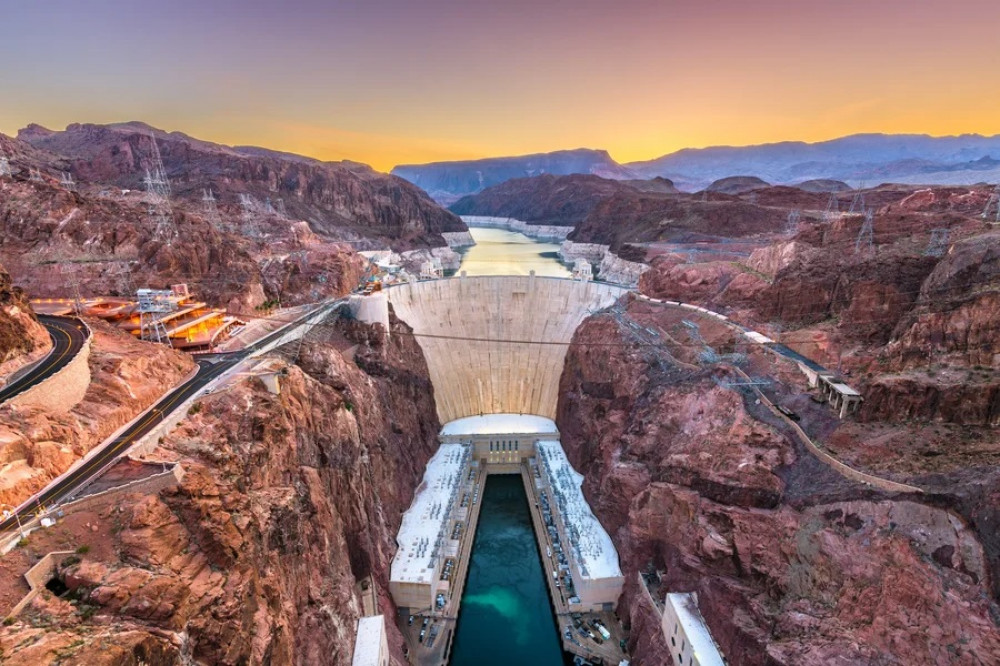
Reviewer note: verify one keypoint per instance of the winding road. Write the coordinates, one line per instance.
(68, 337)
(208, 370)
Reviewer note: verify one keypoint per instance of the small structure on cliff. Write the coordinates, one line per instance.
(370, 646)
(685, 630)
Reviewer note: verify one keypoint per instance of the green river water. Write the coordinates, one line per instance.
(506, 617)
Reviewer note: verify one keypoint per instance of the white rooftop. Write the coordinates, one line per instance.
(497, 424)
(369, 641)
(420, 534)
(593, 550)
(686, 606)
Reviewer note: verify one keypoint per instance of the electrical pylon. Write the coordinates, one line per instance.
(66, 180)
(866, 237)
(249, 207)
(35, 174)
(794, 218)
(211, 210)
(161, 213)
(5, 167)
(993, 204)
(858, 202)
(938, 243)
(832, 207)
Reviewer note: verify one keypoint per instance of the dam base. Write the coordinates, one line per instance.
(578, 562)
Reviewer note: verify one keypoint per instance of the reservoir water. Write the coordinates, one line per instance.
(502, 252)
(506, 617)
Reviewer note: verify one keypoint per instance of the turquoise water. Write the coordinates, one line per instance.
(506, 617)
(502, 252)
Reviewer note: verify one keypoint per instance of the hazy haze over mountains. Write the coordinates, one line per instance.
(855, 159)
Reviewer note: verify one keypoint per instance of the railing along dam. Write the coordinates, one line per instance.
(497, 344)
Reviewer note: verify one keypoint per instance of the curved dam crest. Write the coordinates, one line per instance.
(494, 369)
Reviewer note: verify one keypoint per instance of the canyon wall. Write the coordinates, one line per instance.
(482, 363)
(22, 339)
(792, 563)
(287, 503)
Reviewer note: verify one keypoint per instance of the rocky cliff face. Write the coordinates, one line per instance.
(288, 502)
(22, 338)
(793, 564)
(343, 201)
(51, 238)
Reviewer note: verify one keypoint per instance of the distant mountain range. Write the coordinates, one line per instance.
(446, 182)
(857, 159)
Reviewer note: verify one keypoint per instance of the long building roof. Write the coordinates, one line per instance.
(592, 547)
(420, 533)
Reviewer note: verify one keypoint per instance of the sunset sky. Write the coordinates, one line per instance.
(396, 81)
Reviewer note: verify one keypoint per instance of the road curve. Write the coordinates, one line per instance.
(208, 370)
(68, 337)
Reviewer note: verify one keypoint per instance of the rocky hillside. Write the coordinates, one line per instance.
(551, 200)
(342, 201)
(449, 181)
(793, 563)
(22, 338)
(104, 241)
(289, 501)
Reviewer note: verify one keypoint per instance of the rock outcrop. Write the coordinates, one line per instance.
(22, 338)
(343, 200)
(288, 502)
(792, 563)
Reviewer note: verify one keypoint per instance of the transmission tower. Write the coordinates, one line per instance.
(866, 237)
(35, 174)
(69, 270)
(993, 203)
(211, 210)
(153, 305)
(279, 207)
(123, 274)
(5, 167)
(858, 202)
(67, 181)
(268, 208)
(794, 218)
(161, 214)
(832, 207)
(938, 243)
(753, 197)
(249, 207)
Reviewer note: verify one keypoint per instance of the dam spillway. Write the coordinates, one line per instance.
(497, 344)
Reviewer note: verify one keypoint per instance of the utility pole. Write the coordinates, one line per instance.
(938, 243)
(866, 237)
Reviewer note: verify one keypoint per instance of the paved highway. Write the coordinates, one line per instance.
(208, 370)
(68, 337)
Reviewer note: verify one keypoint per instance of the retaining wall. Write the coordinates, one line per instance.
(65, 389)
(38, 575)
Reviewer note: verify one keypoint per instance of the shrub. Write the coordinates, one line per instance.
(82, 550)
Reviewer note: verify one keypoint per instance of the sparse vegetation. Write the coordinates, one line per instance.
(82, 550)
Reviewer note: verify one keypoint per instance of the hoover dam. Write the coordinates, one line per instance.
(496, 345)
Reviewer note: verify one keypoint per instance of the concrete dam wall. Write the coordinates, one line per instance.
(503, 369)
